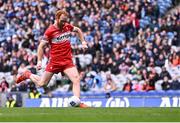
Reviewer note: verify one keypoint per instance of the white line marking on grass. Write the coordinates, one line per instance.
(21, 114)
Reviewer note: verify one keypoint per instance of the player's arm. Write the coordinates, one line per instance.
(40, 51)
(81, 36)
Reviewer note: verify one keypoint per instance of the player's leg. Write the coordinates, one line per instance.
(73, 75)
(39, 81)
(43, 80)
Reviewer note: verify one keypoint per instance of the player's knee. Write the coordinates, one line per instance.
(40, 84)
(76, 79)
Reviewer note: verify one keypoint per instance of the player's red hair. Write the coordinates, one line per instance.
(59, 13)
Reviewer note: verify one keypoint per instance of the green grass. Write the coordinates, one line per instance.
(90, 114)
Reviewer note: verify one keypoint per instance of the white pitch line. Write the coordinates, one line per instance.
(19, 114)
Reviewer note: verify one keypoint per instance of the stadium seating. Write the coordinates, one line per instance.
(125, 38)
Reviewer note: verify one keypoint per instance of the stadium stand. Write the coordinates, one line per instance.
(134, 46)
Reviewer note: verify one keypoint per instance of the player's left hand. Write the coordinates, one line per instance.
(84, 45)
(39, 65)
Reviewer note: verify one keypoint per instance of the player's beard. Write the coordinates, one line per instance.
(61, 24)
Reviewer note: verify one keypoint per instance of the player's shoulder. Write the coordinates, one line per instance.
(69, 26)
(49, 29)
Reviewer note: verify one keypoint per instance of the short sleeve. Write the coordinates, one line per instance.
(70, 27)
(46, 36)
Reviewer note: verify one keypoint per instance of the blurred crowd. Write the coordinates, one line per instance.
(134, 45)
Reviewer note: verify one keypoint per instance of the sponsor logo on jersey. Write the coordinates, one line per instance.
(62, 37)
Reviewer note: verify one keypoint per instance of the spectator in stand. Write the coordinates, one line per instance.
(31, 86)
(128, 86)
(175, 59)
(4, 85)
(166, 84)
(164, 73)
(94, 81)
(175, 84)
(23, 87)
(153, 77)
(84, 85)
(160, 61)
(110, 86)
(14, 88)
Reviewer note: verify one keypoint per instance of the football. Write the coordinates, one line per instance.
(74, 101)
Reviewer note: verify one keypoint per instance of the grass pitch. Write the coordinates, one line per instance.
(90, 114)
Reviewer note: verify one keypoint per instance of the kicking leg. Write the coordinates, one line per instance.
(39, 81)
(43, 80)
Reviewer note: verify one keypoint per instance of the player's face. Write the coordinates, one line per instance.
(62, 20)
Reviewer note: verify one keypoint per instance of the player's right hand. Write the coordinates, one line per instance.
(39, 65)
(84, 45)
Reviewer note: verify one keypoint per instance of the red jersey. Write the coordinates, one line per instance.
(59, 41)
